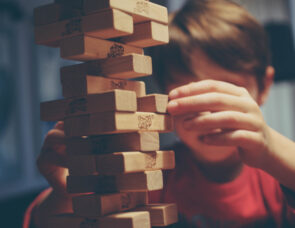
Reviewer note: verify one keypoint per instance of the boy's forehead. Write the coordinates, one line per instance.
(203, 68)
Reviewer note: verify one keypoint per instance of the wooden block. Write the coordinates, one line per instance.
(147, 34)
(145, 181)
(135, 141)
(85, 48)
(128, 162)
(83, 85)
(100, 205)
(131, 182)
(82, 165)
(71, 3)
(53, 12)
(93, 183)
(104, 25)
(120, 162)
(141, 10)
(116, 122)
(116, 100)
(153, 103)
(122, 67)
(140, 219)
(161, 214)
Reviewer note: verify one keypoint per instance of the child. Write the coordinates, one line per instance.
(232, 169)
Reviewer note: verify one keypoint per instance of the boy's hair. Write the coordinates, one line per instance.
(223, 30)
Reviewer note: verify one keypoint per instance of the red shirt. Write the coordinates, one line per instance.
(253, 199)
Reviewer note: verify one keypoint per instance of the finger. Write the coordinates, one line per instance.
(54, 137)
(207, 86)
(59, 125)
(58, 180)
(223, 120)
(52, 165)
(239, 138)
(53, 157)
(210, 102)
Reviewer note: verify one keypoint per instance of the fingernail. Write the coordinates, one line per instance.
(172, 105)
(173, 94)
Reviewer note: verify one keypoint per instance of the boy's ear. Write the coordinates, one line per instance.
(268, 81)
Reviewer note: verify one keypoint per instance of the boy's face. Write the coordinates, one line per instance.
(206, 69)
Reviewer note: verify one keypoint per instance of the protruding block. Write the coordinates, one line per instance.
(85, 48)
(147, 34)
(137, 219)
(135, 141)
(145, 181)
(120, 162)
(161, 214)
(104, 25)
(123, 67)
(128, 162)
(83, 85)
(53, 12)
(131, 182)
(116, 100)
(141, 10)
(116, 122)
(100, 205)
(153, 103)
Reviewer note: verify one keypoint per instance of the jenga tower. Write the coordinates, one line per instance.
(112, 126)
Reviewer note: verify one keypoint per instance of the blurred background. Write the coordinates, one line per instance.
(29, 74)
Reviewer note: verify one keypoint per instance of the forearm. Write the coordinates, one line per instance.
(280, 161)
(51, 204)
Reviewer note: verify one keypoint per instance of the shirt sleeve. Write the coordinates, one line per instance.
(27, 223)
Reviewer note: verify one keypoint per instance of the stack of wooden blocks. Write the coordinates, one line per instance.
(111, 126)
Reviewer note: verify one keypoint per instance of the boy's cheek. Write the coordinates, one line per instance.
(201, 151)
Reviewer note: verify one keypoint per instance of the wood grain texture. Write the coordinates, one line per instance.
(83, 85)
(116, 100)
(123, 67)
(100, 205)
(123, 220)
(161, 214)
(152, 103)
(131, 182)
(104, 25)
(120, 163)
(85, 48)
(141, 10)
(116, 122)
(147, 34)
(128, 162)
(135, 141)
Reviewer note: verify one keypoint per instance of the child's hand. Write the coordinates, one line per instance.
(52, 159)
(51, 163)
(231, 114)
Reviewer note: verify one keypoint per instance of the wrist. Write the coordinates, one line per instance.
(51, 204)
